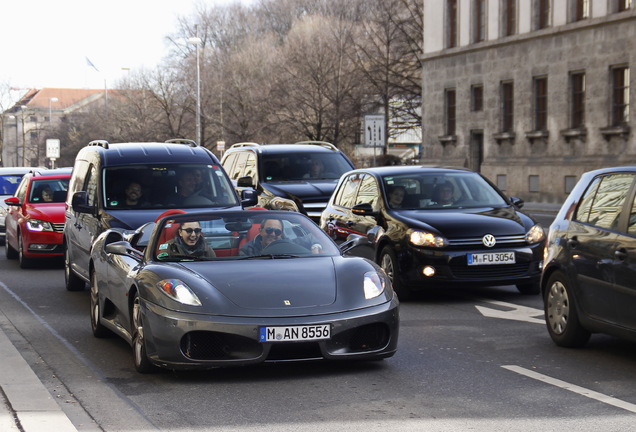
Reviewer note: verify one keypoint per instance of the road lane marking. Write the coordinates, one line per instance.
(515, 312)
(573, 388)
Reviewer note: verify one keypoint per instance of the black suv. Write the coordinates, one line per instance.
(297, 177)
(125, 185)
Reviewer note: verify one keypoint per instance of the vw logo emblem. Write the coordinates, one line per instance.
(488, 240)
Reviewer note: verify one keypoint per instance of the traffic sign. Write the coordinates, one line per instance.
(374, 133)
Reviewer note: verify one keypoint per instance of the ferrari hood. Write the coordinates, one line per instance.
(273, 283)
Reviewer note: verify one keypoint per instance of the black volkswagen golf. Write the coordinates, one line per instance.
(438, 227)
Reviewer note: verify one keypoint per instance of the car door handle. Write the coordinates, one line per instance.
(621, 254)
(349, 223)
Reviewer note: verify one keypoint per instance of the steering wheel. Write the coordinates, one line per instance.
(284, 246)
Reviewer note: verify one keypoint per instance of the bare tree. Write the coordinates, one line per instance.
(318, 86)
(388, 52)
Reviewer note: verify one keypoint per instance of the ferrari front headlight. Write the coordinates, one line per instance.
(535, 234)
(179, 291)
(39, 225)
(373, 285)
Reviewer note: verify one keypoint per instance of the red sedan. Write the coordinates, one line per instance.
(35, 217)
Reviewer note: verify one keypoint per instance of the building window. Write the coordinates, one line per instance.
(507, 106)
(533, 183)
(623, 5)
(542, 14)
(510, 17)
(452, 23)
(620, 95)
(502, 181)
(477, 97)
(33, 119)
(541, 104)
(569, 183)
(582, 10)
(450, 103)
(577, 88)
(479, 13)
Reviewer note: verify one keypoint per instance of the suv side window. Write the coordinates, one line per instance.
(77, 181)
(239, 166)
(91, 186)
(250, 166)
(229, 164)
(604, 200)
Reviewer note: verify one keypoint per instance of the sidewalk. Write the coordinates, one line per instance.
(25, 404)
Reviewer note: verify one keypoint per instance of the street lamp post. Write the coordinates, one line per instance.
(51, 100)
(12, 117)
(197, 41)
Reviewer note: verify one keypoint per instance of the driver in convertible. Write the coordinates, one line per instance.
(271, 230)
(189, 241)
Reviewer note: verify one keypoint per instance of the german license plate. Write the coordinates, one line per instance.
(295, 333)
(491, 258)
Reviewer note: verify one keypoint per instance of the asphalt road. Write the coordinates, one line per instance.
(467, 360)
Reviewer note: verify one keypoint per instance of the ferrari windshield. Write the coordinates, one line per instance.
(235, 235)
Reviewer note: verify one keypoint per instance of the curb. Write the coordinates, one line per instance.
(27, 406)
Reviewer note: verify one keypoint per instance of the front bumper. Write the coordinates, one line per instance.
(451, 267)
(186, 341)
(43, 244)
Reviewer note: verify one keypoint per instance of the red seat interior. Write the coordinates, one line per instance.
(252, 232)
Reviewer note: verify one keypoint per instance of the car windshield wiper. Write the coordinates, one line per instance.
(269, 256)
(179, 258)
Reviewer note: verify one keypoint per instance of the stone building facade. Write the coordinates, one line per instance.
(32, 120)
(532, 93)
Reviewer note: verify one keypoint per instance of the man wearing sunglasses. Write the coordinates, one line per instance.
(270, 231)
(189, 241)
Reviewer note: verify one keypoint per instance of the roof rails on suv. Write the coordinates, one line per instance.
(105, 144)
(324, 144)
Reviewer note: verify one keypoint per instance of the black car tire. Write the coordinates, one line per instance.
(25, 263)
(99, 331)
(561, 316)
(388, 262)
(73, 282)
(9, 251)
(142, 362)
(529, 288)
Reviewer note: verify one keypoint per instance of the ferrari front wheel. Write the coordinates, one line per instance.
(142, 363)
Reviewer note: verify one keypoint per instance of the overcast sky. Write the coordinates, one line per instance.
(46, 43)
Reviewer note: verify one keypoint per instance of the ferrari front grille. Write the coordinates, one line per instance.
(205, 345)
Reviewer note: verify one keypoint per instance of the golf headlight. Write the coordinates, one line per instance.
(535, 235)
(427, 239)
(279, 203)
(38, 225)
(179, 291)
(373, 285)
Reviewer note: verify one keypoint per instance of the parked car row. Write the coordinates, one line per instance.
(417, 227)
